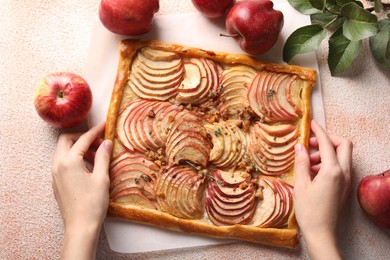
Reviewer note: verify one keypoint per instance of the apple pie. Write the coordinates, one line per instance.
(204, 141)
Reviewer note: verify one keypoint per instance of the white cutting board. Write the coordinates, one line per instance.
(186, 29)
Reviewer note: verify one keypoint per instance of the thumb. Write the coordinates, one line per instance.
(102, 158)
(301, 165)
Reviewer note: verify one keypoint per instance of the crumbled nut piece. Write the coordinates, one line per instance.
(243, 185)
(151, 114)
(259, 193)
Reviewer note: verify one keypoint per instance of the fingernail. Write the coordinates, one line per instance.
(108, 145)
(298, 147)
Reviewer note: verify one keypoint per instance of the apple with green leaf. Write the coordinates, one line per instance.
(374, 197)
(63, 99)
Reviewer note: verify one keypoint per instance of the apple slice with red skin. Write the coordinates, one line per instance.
(273, 155)
(162, 187)
(191, 79)
(267, 95)
(131, 173)
(293, 95)
(133, 119)
(266, 205)
(234, 81)
(208, 81)
(171, 195)
(138, 161)
(274, 218)
(152, 87)
(187, 140)
(159, 55)
(283, 104)
(277, 138)
(164, 122)
(145, 187)
(217, 139)
(230, 198)
(120, 126)
(133, 196)
(157, 67)
(182, 194)
(214, 191)
(284, 192)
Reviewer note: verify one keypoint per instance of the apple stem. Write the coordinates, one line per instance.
(229, 35)
(61, 94)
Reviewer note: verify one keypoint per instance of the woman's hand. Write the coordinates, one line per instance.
(82, 194)
(322, 185)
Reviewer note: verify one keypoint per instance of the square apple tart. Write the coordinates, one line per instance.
(204, 141)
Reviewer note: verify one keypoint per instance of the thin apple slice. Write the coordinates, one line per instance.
(203, 71)
(276, 96)
(191, 79)
(230, 198)
(162, 187)
(159, 55)
(161, 84)
(171, 196)
(293, 94)
(229, 143)
(121, 130)
(177, 189)
(217, 139)
(136, 160)
(133, 197)
(266, 204)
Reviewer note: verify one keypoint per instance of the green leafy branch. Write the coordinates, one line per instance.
(349, 24)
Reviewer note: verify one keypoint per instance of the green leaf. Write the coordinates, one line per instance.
(380, 44)
(327, 20)
(341, 3)
(318, 4)
(378, 6)
(342, 52)
(332, 6)
(302, 40)
(303, 6)
(360, 23)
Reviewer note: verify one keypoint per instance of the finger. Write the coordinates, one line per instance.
(313, 142)
(344, 150)
(64, 144)
(315, 168)
(325, 145)
(102, 159)
(301, 165)
(84, 142)
(96, 143)
(315, 157)
(89, 156)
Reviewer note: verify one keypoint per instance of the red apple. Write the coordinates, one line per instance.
(128, 17)
(63, 99)
(374, 197)
(255, 25)
(212, 8)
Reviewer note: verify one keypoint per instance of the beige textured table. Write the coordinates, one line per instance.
(39, 37)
